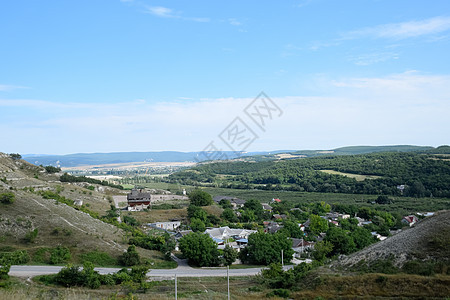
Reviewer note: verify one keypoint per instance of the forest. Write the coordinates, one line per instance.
(413, 174)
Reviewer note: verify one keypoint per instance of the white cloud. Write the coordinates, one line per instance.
(372, 58)
(403, 30)
(161, 11)
(405, 108)
(164, 12)
(234, 22)
(7, 88)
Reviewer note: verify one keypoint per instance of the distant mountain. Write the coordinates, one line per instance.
(80, 159)
(351, 150)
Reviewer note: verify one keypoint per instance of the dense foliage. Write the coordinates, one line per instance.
(264, 249)
(52, 169)
(422, 174)
(200, 249)
(200, 198)
(71, 276)
(7, 198)
(69, 178)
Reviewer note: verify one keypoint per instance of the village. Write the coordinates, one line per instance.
(303, 240)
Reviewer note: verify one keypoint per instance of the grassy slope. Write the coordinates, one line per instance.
(77, 230)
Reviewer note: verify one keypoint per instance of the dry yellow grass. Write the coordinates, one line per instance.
(358, 177)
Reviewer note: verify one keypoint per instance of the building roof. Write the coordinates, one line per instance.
(226, 232)
(138, 195)
(238, 201)
(296, 243)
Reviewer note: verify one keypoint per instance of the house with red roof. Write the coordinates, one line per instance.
(410, 220)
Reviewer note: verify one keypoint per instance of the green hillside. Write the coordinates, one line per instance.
(418, 174)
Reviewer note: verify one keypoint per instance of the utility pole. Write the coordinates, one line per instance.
(176, 288)
(228, 282)
(282, 262)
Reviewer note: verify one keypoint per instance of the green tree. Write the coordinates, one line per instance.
(264, 249)
(342, 242)
(248, 216)
(15, 156)
(317, 224)
(321, 208)
(59, 255)
(199, 197)
(200, 249)
(131, 257)
(130, 221)
(229, 255)
(168, 246)
(197, 225)
(51, 169)
(383, 199)
(362, 237)
(7, 198)
(229, 215)
(291, 229)
(322, 250)
(255, 206)
(197, 212)
(225, 203)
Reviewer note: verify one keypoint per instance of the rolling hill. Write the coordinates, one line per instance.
(56, 223)
(80, 159)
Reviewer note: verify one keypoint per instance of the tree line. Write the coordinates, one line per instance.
(421, 174)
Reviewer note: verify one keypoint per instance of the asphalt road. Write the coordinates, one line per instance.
(183, 271)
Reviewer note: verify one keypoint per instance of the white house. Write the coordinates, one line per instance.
(166, 225)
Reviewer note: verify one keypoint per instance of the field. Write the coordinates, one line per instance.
(401, 205)
(358, 177)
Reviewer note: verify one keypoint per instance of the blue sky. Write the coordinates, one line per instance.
(138, 75)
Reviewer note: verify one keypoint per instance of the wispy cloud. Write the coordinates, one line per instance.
(161, 11)
(402, 30)
(234, 22)
(413, 106)
(7, 88)
(165, 12)
(303, 3)
(372, 58)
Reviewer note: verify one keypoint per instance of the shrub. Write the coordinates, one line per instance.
(4, 270)
(131, 257)
(59, 255)
(283, 293)
(15, 258)
(7, 198)
(31, 236)
(51, 169)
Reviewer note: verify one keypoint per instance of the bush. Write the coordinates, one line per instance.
(59, 255)
(424, 268)
(51, 169)
(4, 270)
(130, 221)
(200, 198)
(31, 236)
(131, 257)
(283, 293)
(15, 156)
(7, 198)
(15, 258)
